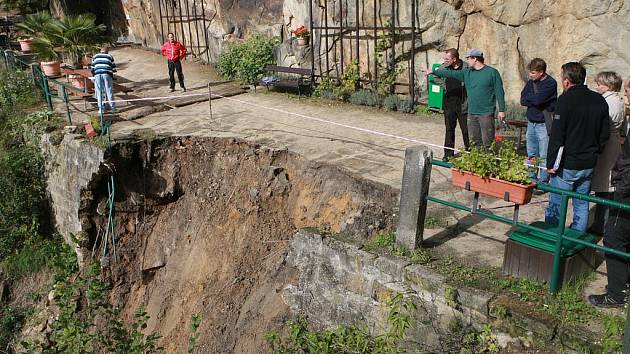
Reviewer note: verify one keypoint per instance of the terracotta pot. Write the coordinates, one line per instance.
(79, 81)
(51, 68)
(508, 191)
(25, 45)
(302, 41)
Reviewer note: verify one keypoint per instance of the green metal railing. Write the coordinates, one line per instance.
(559, 232)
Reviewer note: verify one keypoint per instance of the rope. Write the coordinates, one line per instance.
(321, 120)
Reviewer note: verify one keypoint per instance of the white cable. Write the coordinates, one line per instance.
(155, 98)
(374, 132)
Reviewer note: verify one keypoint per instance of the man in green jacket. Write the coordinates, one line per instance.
(485, 89)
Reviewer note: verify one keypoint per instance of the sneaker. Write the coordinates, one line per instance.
(172, 90)
(183, 88)
(604, 300)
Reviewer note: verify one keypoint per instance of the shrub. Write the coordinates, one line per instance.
(16, 88)
(405, 105)
(349, 81)
(245, 61)
(324, 88)
(365, 98)
(390, 103)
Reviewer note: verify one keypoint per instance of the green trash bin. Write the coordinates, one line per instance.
(436, 92)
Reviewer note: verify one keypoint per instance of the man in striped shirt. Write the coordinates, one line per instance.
(103, 70)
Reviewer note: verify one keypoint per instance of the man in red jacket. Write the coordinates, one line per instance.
(174, 52)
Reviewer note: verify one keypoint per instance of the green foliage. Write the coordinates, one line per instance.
(431, 222)
(96, 124)
(33, 24)
(325, 89)
(245, 61)
(72, 35)
(387, 72)
(16, 89)
(507, 165)
(365, 98)
(381, 240)
(347, 339)
(195, 321)
(11, 321)
(131, 340)
(423, 110)
(613, 334)
(451, 296)
(480, 342)
(33, 256)
(405, 105)
(390, 103)
(349, 81)
(24, 6)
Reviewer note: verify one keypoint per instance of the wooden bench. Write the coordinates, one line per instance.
(301, 78)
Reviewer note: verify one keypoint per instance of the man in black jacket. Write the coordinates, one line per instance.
(579, 133)
(617, 234)
(454, 103)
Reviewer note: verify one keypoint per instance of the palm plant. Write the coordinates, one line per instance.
(73, 36)
(33, 24)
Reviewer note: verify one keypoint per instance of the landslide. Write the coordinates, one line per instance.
(203, 227)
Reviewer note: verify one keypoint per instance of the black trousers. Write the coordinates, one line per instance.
(453, 114)
(617, 236)
(172, 67)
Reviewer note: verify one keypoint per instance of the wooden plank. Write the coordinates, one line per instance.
(286, 69)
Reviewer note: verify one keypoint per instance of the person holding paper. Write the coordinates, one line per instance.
(579, 133)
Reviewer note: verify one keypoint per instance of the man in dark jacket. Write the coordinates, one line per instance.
(579, 133)
(617, 234)
(539, 96)
(454, 103)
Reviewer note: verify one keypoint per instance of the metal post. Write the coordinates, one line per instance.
(356, 14)
(341, 36)
(205, 30)
(65, 100)
(310, 15)
(326, 37)
(190, 41)
(161, 20)
(412, 69)
(392, 53)
(413, 196)
(553, 283)
(196, 27)
(375, 44)
(168, 20)
(181, 23)
(47, 91)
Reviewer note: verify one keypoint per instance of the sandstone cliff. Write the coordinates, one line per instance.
(510, 32)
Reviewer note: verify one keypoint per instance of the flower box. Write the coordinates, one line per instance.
(508, 191)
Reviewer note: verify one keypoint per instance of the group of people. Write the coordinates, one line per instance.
(103, 68)
(577, 141)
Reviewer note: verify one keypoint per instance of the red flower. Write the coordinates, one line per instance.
(301, 32)
(498, 137)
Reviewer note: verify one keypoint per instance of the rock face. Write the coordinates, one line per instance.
(510, 32)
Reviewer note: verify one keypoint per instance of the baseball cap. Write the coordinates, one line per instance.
(475, 52)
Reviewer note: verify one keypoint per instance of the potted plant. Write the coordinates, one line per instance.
(71, 37)
(501, 175)
(302, 34)
(31, 27)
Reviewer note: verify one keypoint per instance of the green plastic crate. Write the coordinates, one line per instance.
(546, 243)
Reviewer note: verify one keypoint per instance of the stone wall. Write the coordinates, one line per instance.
(72, 168)
(510, 32)
(341, 284)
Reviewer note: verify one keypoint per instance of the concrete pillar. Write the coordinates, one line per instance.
(413, 203)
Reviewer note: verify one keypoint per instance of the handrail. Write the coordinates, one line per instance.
(559, 233)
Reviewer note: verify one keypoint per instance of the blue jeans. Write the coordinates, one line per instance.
(537, 142)
(104, 85)
(572, 180)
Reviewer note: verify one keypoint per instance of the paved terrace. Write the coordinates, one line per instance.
(378, 158)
